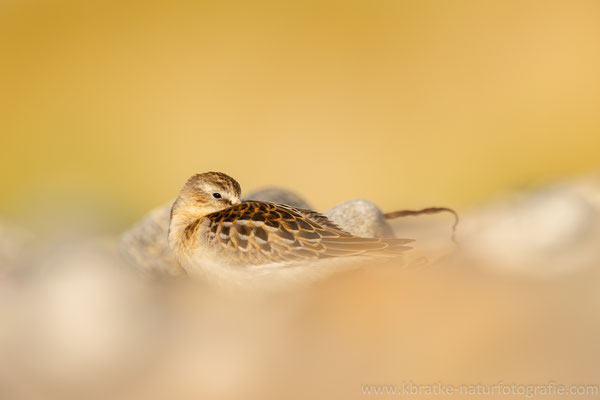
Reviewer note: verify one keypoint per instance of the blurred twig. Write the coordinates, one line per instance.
(426, 211)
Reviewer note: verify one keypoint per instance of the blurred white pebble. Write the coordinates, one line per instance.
(79, 320)
(545, 233)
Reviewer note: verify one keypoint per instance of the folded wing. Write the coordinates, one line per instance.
(255, 233)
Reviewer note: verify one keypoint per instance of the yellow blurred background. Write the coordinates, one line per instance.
(407, 103)
(107, 107)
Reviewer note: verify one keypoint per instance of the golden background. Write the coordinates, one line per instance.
(107, 107)
(406, 103)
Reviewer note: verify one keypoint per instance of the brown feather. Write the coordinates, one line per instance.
(255, 233)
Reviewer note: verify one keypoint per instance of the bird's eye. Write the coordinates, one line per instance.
(217, 195)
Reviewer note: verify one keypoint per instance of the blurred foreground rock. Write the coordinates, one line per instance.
(545, 233)
(78, 326)
(74, 320)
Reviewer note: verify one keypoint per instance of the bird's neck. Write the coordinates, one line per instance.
(183, 215)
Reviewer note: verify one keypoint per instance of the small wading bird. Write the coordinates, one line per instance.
(214, 234)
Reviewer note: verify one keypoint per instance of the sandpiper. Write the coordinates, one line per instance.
(213, 233)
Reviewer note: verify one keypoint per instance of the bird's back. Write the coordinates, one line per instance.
(258, 233)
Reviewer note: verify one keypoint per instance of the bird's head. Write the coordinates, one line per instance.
(206, 193)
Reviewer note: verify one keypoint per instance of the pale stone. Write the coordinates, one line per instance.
(361, 218)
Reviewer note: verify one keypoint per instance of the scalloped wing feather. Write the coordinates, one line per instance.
(255, 233)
